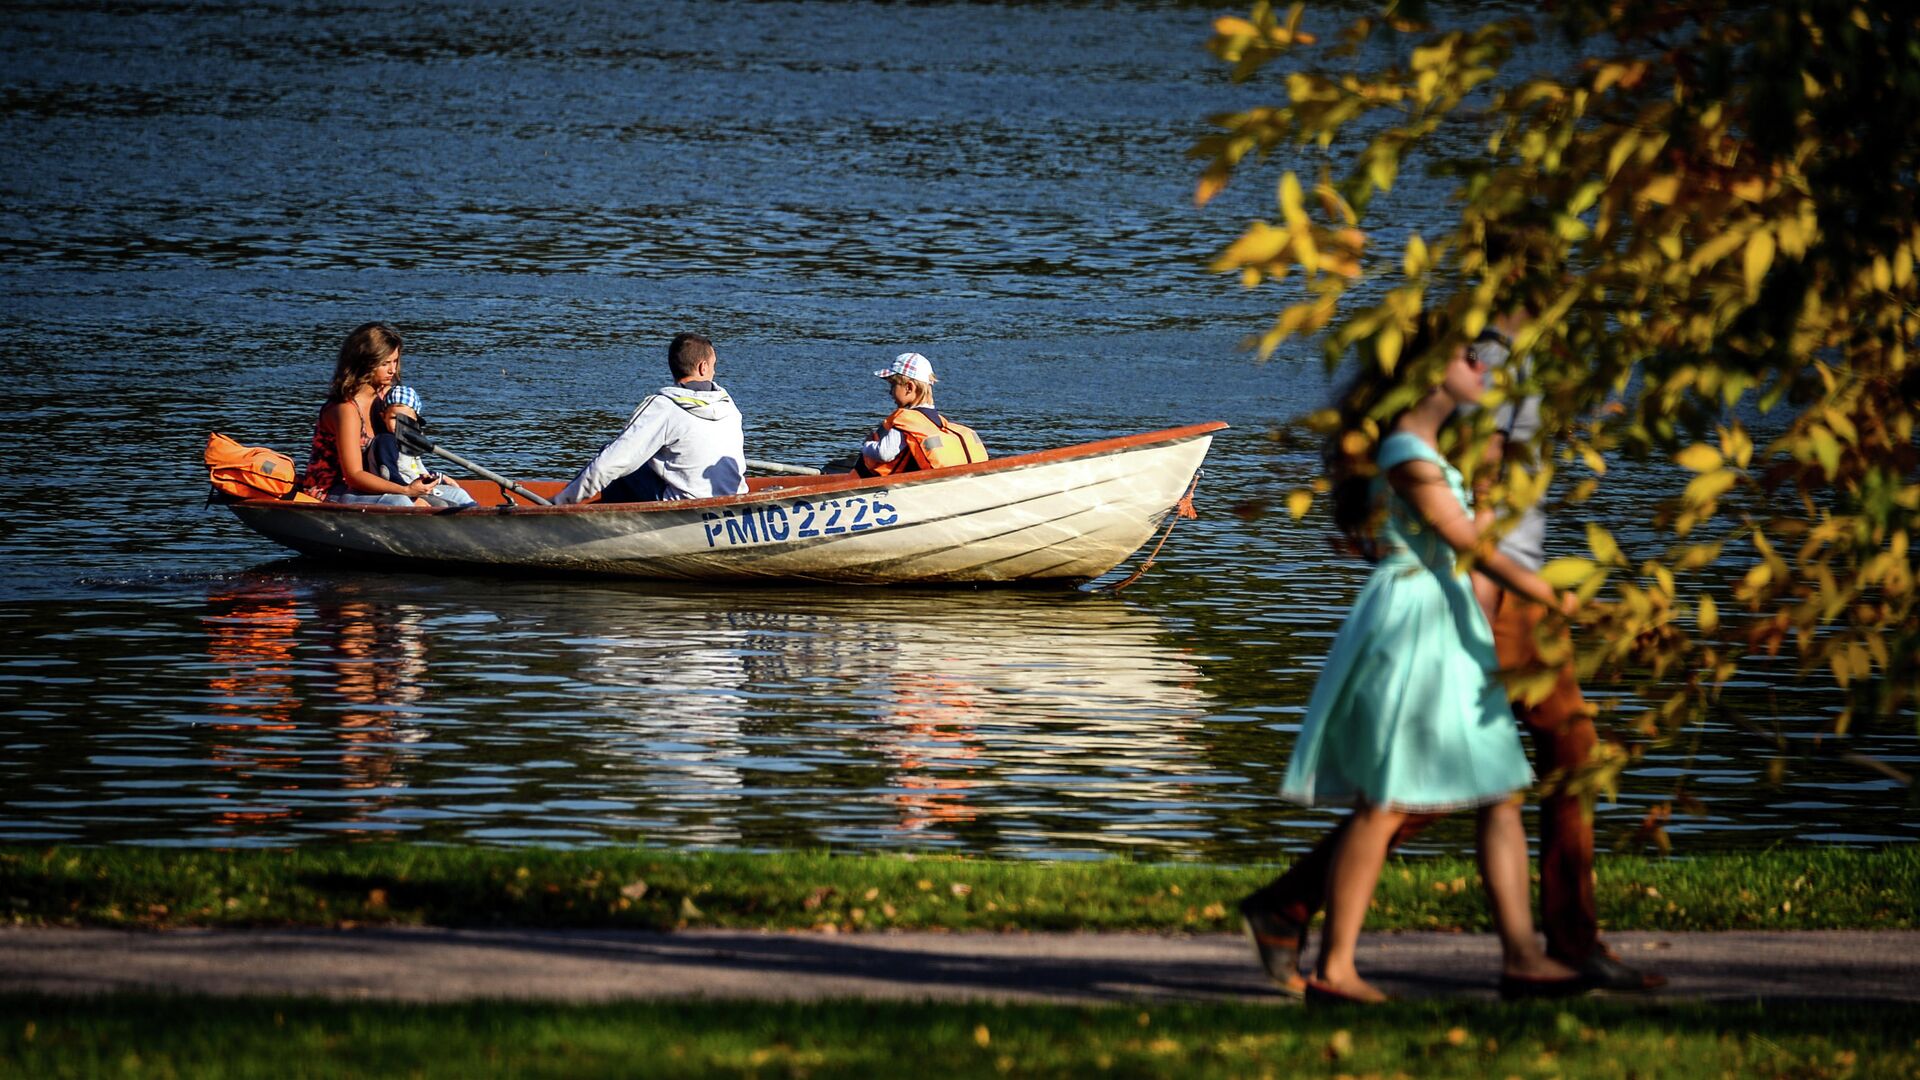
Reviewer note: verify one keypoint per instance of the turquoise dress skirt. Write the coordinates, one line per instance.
(1408, 713)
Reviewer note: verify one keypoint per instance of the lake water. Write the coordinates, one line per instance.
(204, 200)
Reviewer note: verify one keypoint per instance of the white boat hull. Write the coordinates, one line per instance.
(1060, 515)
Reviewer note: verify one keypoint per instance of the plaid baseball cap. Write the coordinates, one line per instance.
(407, 396)
(910, 364)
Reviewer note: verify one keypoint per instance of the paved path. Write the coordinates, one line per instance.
(563, 965)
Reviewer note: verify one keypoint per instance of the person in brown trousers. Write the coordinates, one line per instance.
(1276, 917)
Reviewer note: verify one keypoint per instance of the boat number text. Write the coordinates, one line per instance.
(803, 520)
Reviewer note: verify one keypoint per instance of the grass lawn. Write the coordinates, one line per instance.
(168, 1036)
(637, 888)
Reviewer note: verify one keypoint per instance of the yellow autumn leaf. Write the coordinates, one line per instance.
(1293, 202)
(1708, 617)
(1757, 260)
(1617, 156)
(1565, 573)
(1260, 244)
(1387, 348)
(1532, 687)
(1212, 182)
(1713, 251)
(1664, 577)
(1415, 263)
(1708, 486)
(1737, 444)
(1602, 544)
(1699, 458)
(1381, 170)
(1826, 448)
(1333, 205)
(1695, 556)
(1660, 189)
(1299, 501)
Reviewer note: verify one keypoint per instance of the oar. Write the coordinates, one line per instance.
(784, 470)
(407, 430)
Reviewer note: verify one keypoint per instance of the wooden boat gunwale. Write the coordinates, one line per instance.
(770, 487)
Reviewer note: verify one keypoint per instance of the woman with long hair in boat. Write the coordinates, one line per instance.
(1409, 716)
(915, 435)
(338, 466)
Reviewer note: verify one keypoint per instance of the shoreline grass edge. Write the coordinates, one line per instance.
(651, 889)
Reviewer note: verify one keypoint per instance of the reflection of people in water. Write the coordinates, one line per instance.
(379, 657)
(250, 643)
(930, 713)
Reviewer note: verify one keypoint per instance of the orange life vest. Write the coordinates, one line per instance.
(250, 472)
(928, 446)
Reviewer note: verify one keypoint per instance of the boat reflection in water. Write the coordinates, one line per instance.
(298, 704)
(892, 717)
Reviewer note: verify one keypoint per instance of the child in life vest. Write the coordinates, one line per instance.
(391, 460)
(915, 436)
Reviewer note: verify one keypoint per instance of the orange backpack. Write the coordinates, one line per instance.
(250, 472)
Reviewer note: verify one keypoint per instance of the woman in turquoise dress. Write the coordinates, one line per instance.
(1409, 716)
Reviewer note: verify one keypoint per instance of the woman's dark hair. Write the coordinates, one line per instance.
(1347, 456)
(364, 349)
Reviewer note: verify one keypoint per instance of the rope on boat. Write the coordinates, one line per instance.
(1182, 509)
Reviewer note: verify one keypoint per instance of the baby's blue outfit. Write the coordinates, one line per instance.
(1408, 713)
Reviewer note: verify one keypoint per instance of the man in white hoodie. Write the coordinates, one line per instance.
(683, 442)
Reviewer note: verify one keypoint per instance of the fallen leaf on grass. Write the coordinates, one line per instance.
(1341, 1045)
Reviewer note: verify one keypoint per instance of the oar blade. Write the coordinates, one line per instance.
(407, 430)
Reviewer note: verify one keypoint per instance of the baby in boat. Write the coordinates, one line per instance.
(391, 460)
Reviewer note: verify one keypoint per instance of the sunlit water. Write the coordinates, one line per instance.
(203, 201)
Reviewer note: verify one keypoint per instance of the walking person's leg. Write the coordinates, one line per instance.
(1525, 968)
(1563, 735)
(1276, 916)
(1355, 871)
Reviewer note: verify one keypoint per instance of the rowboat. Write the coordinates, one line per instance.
(1066, 515)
